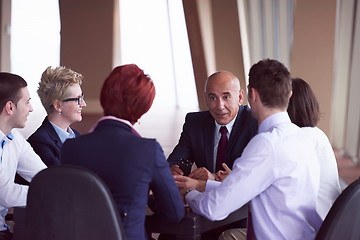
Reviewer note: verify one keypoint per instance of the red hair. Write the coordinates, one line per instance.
(127, 93)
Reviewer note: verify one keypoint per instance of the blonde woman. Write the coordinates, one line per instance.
(61, 95)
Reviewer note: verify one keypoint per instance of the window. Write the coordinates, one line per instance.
(35, 45)
(154, 37)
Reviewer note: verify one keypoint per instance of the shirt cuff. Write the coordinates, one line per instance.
(211, 184)
(191, 195)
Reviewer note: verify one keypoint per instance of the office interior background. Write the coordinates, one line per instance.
(181, 42)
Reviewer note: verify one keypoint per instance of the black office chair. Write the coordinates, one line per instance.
(72, 203)
(343, 219)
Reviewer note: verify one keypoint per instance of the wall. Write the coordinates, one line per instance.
(313, 50)
(228, 49)
(198, 55)
(87, 29)
(5, 20)
(215, 43)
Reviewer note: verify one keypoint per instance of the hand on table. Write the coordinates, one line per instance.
(221, 175)
(186, 183)
(175, 170)
(202, 174)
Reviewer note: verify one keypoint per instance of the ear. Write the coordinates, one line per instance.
(290, 94)
(251, 95)
(241, 97)
(255, 95)
(57, 106)
(9, 107)
(206, 100)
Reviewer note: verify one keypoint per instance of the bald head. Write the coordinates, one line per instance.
(223, 96)
(220, 78)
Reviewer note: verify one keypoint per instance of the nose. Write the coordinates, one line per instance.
(83, 103)
(220, 104)
(30, 108)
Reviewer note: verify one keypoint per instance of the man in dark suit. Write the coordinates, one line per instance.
(199, 141)
(200, 137)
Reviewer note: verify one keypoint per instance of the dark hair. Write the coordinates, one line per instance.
(127, 93)
(10, 85)
(273, 82)
(303, 107)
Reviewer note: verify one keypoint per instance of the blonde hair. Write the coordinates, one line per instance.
(53, 85)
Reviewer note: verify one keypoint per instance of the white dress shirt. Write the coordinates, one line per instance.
(16, 156)
(329, 175)
(279, 173)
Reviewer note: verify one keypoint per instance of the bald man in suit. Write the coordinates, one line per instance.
(200, 137)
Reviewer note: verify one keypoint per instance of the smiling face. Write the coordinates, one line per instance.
(223, 96)
(71, 110)
(21, 109)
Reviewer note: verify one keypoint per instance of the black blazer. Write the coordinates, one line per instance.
(130, 166)
(197, 139)
(47, 144)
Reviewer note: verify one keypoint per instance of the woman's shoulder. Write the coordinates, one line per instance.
(42, 133)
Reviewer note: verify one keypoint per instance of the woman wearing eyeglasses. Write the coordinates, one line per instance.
(62, 97)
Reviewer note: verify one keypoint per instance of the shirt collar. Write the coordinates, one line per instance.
(63, 135)
(5, 138)
(111, 118)
(273, 120)
(228, 126)
(116, 119)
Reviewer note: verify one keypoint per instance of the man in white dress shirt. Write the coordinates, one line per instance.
(16, 154)
(278, 171)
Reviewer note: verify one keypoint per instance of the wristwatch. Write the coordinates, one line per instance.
(189, 190)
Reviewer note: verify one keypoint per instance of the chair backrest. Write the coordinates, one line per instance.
(72, 203)
(343, 219)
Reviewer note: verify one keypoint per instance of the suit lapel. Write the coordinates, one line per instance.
(209, 143)
(235, 132)
(53, 135)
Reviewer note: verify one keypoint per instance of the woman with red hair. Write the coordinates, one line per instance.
(127, 93)
(129, 164)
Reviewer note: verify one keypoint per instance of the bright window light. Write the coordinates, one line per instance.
(154, 37)
(35, 45)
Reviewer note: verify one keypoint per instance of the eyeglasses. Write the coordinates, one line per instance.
(80, 100)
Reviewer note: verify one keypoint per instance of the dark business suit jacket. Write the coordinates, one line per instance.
(197, 139)
(47, 144)
(130, 165)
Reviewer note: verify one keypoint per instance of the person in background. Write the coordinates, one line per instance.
(16, 154)
(61, 95)
(129, 164)
(304, 111)
(278, 171)
(200, 138)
